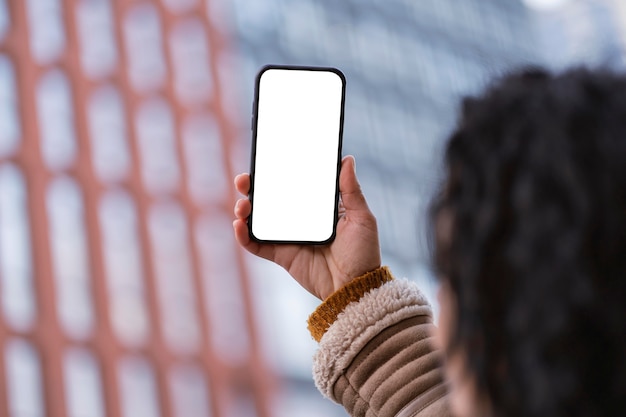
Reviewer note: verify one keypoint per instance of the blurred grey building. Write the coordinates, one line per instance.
(589, 32)
(407, 63)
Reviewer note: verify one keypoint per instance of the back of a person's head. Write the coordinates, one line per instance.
(536, 190)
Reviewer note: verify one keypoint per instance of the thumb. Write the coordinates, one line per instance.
(349, 187)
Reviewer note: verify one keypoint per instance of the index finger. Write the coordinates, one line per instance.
(242, 183)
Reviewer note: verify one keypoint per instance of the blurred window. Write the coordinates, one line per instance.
(137, 388)
(9, 118)
(5, 20)
(440, 11)
(124, 272)
(500, 30)
(411, 60)
(157, 146)
(46, 29)
(230, 68)
(302, 27)
(373, 44)
(56, 120)
(189, 391)
(241, 404)
(98, 50)
(470, 17)
(191, 61)
(358, 119)
(108, 133)
(257, 17)
(391, 123)
(83, 384)
(70, 257)
(16, 274)
(221, 279)
(219, 15)
(380, 131)
(204, 157)
(452, 65)
(339, 41)
(23, 379)
(180, 6)
(431, 68)
(280, 309)
(144, 46)
(420, 148)
(172, 265)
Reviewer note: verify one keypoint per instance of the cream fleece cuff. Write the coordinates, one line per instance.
(326, 314)
(359, 322)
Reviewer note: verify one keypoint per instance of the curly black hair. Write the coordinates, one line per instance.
(536, 192)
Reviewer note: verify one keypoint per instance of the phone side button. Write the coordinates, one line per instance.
(252, 122)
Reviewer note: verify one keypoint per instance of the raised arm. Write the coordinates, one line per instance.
(376, 355)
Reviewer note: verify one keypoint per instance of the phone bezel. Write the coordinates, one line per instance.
(260, 73)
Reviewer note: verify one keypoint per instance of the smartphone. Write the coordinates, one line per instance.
(297, 130)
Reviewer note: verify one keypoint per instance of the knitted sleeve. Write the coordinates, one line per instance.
(375, 355)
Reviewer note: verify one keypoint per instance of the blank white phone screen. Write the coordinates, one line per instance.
(297, 151)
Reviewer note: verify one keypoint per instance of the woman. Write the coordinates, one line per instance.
(530, 250)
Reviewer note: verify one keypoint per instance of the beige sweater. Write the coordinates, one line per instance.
(375, 355)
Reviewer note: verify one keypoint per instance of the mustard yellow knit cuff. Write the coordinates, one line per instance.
(326, 314)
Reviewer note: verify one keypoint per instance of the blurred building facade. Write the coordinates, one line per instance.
(122, 122)
(408, 63)
(122, 289)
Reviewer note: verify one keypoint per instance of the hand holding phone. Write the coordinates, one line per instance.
(296, 164)
(296, 154)
(321, 269)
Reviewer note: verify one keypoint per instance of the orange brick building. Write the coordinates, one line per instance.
(122, 292)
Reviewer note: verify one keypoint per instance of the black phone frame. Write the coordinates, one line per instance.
(254, 144)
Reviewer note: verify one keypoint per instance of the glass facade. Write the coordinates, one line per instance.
(46, 29)
(83, 384)
(16, 271)
(70, 259)
(56, 120)
(137, 387)
(408, 64)
(109, 135)
(123, 268)
(9, 124)
(98, 50)
(23, 378)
